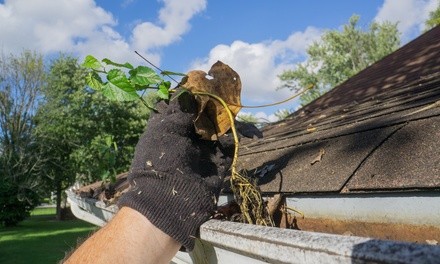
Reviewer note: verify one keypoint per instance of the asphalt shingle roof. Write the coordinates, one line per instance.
(378, 131)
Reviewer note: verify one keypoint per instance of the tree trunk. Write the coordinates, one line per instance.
(59, 214)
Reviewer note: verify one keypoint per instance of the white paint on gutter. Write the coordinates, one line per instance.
(392, 208)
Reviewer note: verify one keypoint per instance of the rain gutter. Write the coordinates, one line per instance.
(229, 242)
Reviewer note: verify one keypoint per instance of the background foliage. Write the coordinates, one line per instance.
(55, 130)
(340, 55)
(434, 18)
(83, 136)
(21, 80)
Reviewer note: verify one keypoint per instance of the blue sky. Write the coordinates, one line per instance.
(259, 39)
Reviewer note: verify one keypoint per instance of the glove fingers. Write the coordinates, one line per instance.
(175, 118)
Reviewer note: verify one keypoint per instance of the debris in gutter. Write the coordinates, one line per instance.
(287, 220)
(432, 242)
(107, 192)
(348, 233)
(229, 211)
(274, 203)
(319, 157)
(275, 206)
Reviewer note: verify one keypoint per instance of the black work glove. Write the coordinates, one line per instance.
(175, 177)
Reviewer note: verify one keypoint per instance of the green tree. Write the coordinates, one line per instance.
(248, 118)
(83, 136)
(340, 55)
(21, 80)
(282, 114)
(434, 18)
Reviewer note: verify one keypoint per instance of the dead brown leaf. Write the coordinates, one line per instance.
(212, 120)
(273, 204)
(318, 158)
(311, 129)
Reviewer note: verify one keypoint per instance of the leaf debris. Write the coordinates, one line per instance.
(318, 158)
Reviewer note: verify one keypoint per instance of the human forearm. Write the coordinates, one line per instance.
(175, 179)
(128, 238)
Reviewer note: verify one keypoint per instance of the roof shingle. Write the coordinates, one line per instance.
(377, 131)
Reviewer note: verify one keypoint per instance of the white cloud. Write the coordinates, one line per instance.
(409, 14)
(259, 64)
(173, 22)
(49, 26)
(82, 27)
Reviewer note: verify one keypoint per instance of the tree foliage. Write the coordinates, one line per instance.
(248, 118)
(433, 19)
(55, 130)
(83, 135)
(21, 80)
(340, 55)
(282, 114)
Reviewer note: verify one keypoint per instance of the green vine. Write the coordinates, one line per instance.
(125, 82)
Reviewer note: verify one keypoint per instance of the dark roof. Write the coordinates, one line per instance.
(378, 131)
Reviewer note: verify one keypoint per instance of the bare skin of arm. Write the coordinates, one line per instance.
(128, 238)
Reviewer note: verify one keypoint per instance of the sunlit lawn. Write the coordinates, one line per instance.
(41, 239)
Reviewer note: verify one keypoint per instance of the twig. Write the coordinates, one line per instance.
(294, 210)
(243, 106)
(433, 105)
(157, 68)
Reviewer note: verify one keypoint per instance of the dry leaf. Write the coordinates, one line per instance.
(274, 203)
(318, 158)
(311, 129)
(432, 242)
(212, 120)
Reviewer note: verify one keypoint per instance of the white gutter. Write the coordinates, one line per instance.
(90, 210)
(229, 242)
(82, 214)
(402, 208)
(398, 208)
(277, 245)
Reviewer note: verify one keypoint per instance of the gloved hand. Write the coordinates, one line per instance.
(175, 177)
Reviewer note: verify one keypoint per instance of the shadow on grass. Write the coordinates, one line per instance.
(41, 239)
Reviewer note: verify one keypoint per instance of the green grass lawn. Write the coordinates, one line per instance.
(41, 239)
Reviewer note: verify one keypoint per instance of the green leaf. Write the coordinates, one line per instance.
(114, 93)
(105, 175)
(125, 65)
(92, 63)
(94, 81)
(117, 77)
(163, 91)
(144, 76)
(168, 73)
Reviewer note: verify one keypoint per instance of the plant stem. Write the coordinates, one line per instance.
(246, 194)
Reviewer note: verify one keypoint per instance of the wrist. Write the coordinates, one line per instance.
(175, 205)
